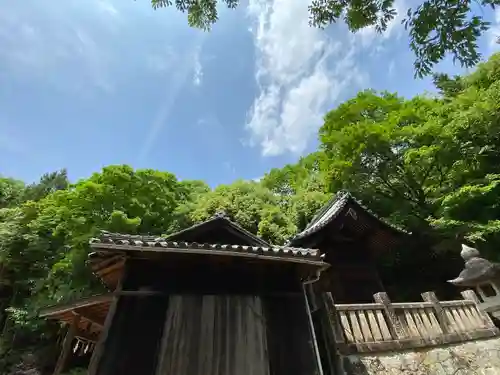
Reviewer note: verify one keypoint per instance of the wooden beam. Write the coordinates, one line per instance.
(99, 348)
(138, 293)
(88, 326)
(111, 268)
(108, 262)
(66, 347)
(98, 321)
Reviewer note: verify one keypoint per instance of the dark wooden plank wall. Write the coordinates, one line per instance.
(214, 335)
(353, 276)
(229, 276)
(133, 342)
(227, 327)
(289, 336)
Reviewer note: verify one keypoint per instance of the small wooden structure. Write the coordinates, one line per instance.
(191, 304)
(85, 320)
(351, 237)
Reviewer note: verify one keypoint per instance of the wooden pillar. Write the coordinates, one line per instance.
(394, 324)
(333, 333)
(99, 347)
(486, 319)
(438, 310)
(332, 314)
(62, 361)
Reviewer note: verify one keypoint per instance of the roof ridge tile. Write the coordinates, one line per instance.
(133, 241)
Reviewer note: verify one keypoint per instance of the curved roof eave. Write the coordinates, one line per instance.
(332, 209)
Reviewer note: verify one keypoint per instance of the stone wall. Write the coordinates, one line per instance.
(469, 358)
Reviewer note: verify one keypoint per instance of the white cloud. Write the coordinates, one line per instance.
(495, 31)
(295, 75)
(107, 8)
(185, 65)
(56, 44)
(391, 69)
(198, 69)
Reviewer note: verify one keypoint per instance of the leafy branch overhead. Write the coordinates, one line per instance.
(436, 27)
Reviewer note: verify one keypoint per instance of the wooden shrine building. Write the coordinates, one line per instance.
(215, 299)
(351, 237)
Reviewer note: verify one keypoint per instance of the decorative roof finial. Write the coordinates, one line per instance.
(220, 213)
(468, 252)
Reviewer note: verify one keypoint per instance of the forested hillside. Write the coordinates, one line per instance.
(428, 164)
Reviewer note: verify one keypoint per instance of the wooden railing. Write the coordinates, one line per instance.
(384, 325)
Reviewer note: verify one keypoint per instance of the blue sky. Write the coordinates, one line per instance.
(88, 83)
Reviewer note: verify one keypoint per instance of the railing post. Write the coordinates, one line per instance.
(329, 304)
(394, 324)
(334, 335)
(438, 309)
(472, 296)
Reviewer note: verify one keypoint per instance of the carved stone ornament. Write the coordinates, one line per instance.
(477, 270)
(220, 213)
(469, 252)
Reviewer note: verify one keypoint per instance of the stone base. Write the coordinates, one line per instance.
(480, 357)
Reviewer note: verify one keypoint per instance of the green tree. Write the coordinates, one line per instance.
(377, 148)
(248, 203)
(470, 208)
(14, 192)
(436, 27)
(448, 87)
(11, 192)
(48, 183)
(292, 178)
(301, 188)
(425, 163)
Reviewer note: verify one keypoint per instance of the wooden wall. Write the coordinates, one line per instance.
(353, 276)
(132, 344)
(136, 335)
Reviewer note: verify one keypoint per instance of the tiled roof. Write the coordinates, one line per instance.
(332, 209)
(151, 243)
